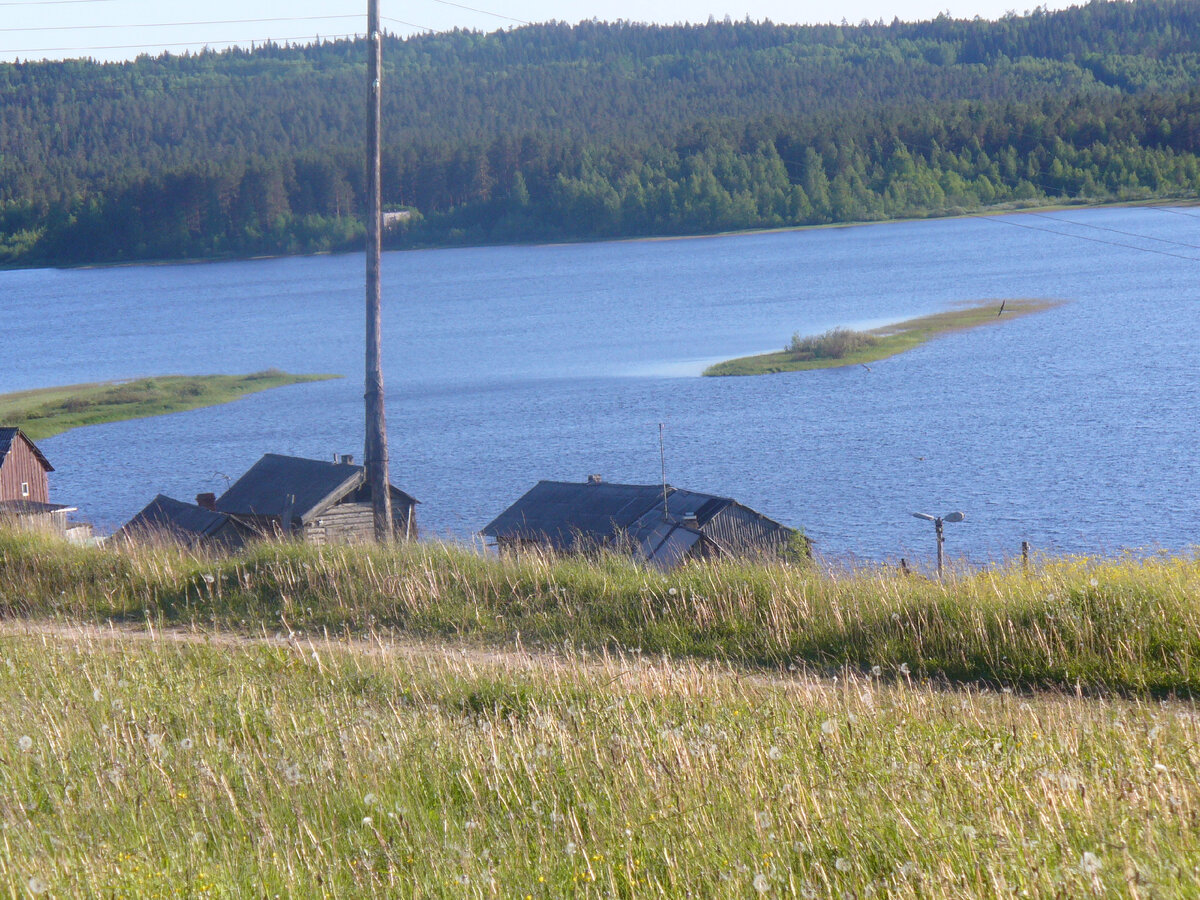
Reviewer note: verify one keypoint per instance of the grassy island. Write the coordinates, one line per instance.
(844, 347)
(45, 412)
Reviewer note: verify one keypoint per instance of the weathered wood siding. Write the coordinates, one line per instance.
(354, 523)
(21, 466)
(742, 531)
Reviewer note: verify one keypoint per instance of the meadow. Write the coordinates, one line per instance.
(424, 721)
(143, 766)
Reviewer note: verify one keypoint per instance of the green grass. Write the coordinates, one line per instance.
(132, 767)
(879, 343)
(45, 412)
(1130, 626)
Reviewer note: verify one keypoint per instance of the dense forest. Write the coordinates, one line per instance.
(557, 132)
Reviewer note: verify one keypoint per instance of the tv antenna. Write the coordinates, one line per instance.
(662, 458)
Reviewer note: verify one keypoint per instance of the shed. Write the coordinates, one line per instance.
(189, 523)
(23, 468)
(570, 517)
(320, 502)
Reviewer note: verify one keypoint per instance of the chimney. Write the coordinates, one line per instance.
(207, 501)
(347, 459)
(594, 479)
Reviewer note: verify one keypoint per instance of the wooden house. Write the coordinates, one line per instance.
(319, 502)
(25, 489)
(23, 469)
(165, 518)
(659, 526)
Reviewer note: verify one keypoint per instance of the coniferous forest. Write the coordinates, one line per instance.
(558, 132)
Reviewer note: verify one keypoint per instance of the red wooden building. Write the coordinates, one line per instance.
(23, 469)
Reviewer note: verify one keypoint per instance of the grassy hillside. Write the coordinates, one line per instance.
(1124, 625)
(142, 767)
(45, 412)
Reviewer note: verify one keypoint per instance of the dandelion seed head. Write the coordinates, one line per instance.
(464, 879)
(1161, 769)
(25, 742)
(571, 848)
(763, 819)
(672, 591)
(904, 670)
(969, 832)
(761, 883)
(199, 838)
(876, 671)
(154, 741)
(186, 744)
(1094, 583)
(842, 864)
(291, 774)
(1152, 734)
(96, 695)
(895, 617)
(775, 754)
(36, 885)
(369, 799)
(1089, 863)
(828, 726)
(368, 821)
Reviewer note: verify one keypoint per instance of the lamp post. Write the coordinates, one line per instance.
(937, 526)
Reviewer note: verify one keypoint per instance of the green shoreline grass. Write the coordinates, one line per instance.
(45, 412)
(1129, 626)
(890, 339)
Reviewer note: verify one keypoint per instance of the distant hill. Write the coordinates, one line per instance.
(597, 130)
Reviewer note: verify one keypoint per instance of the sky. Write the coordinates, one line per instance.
(123, 29)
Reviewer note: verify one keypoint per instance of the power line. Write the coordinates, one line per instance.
(485, 12)
(1005, 220)
(407, 24)
(1132, 234)
(50, 2)
(175, 24)
(231, 42)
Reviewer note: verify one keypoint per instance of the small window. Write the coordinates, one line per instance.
(24, 488)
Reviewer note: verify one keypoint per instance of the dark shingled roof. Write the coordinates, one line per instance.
(567, 512)
(8, 435)
(293, 488)
(165, 514)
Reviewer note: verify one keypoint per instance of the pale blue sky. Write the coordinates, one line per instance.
(131, 36)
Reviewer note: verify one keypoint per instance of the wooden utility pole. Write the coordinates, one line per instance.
(375, 455)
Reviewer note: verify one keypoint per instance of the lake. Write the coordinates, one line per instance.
(1074, 429)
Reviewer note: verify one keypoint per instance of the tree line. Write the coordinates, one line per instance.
(553, 132)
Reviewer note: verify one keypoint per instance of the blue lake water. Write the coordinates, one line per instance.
(1075, 429)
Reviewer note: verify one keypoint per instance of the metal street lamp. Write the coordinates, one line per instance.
(937, 525)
